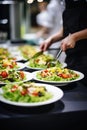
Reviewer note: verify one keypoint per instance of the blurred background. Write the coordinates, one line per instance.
(17, 18)
(30, 21)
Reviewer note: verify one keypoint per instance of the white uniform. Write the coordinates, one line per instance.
(51, 18)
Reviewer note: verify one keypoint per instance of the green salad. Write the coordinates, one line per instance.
(57, 74)
(8, 64)
(9, 76)
(27, 51)
(44, 61)
(26, 92)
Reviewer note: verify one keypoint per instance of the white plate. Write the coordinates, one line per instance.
(58, 83)
(36, 69)
(57, 95)
(28, 77)
(20, 65)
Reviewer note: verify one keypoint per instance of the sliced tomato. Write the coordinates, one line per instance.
(11, 66)
(46, 71)
(15, 86)
(22, 74)
(65, 75)
(35, 93)
(24, 92)
(4, 74)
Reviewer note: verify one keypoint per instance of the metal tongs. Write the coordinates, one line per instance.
(58, 54)
(53, 63)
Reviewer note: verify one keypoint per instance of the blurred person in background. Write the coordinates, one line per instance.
(50, 21)
(50, 17)
(73, 36)
(42, 20)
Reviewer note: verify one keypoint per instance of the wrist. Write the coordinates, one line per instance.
(50, 40)
(74, 37)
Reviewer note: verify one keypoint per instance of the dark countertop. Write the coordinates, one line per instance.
(71, 110)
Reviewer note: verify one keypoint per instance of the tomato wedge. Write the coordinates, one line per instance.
(4, 74)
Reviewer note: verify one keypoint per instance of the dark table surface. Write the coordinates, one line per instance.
(69, 113)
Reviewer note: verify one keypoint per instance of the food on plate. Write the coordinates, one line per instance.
(2, 57)
(8, 64)
(27, 51)
(43, 61)
(57, 74)
(4, 51)
(7, 76)
(28, 92)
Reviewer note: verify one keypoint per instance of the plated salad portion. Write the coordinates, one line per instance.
(4, 51)
(57, 74)
(8, 64)
(27, 51)
(28, 92)
(3, 57)
(10, 76)
(43, 61)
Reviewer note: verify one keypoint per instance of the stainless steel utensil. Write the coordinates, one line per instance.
(53, 63)
(53, 49)
(58, 54)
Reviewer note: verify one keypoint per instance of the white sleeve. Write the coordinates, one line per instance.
(43, 19)
(53, 7)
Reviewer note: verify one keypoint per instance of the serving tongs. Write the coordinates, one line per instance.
(58, 54)
(53, 63)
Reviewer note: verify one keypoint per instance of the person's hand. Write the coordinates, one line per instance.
(52, 39)
(45, 44)
(68, 42)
